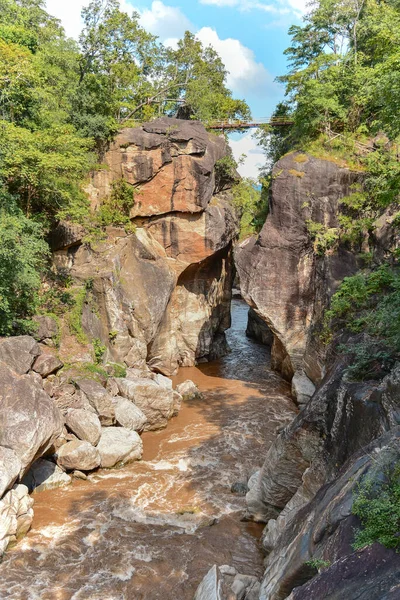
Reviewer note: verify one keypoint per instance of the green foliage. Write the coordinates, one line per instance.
(344, 74)
(98, 350)
(23, 253)
(75, 315)
(116, 370)
(369, 304)
(115, 210)
(377, 504)
(248, 200)
(324, 238)
(225, 173)
(318, 563)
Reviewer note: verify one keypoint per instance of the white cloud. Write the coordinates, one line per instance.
(69, 13)
(255, 159)
(246, 75)
(167, 22)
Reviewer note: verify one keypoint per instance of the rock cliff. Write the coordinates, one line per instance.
(162, 294)
(281, 276)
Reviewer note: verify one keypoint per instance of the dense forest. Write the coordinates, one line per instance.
(61, 102)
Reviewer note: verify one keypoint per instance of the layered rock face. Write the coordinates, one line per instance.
(280, 276)
(162, 294)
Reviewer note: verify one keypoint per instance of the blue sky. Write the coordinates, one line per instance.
(249, 35)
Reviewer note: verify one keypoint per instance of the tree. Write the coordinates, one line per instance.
(23, 253)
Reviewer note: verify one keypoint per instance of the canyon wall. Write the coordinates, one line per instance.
(345, 429)
(162, 294)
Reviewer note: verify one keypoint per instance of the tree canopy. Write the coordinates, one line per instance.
(62, 101)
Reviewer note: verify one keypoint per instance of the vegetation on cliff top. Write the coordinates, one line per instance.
(61, 102)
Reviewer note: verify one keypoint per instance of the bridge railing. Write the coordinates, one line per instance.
(237, 124)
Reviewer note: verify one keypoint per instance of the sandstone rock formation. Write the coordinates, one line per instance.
(280, 275)
(161, 295)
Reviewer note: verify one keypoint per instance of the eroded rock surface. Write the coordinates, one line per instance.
(162, 294)
(280, 275)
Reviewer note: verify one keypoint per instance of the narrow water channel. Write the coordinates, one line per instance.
(153, 529)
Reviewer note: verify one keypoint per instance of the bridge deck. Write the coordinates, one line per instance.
(273, 121)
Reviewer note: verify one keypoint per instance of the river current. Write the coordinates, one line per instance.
(152, 529)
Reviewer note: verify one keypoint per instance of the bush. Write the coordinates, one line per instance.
(377, 504)
(368, 303)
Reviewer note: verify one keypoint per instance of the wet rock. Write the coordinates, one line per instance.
(177, 403)
(10, 467)
(153, 399)
(99, 399)
(84, 424)
(78, 455)
(47, 328)
(118, 445)
(211, 586)
(45, 475)
(258, 329)
(240, 488)
(29, 420)
(188, 390)
(128, 415)
(19, 352)
(47, 364)
(198, 314)
(302, 388)
(16, 515)
(79, 475)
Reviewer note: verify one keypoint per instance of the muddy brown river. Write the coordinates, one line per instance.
(153, 529)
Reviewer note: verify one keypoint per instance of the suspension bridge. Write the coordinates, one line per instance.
(254, 124)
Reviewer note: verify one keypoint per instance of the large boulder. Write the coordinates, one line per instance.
(46, 364)
(84, 424)
(198, 314)
(99, 399)
(118, 446)
(78, 455)
(10, 467)
(173, 161)
(19, 352)
(29, 420)
(16, 515)
(47, 328)
(153, 399)
(128, 415)
(281, 276)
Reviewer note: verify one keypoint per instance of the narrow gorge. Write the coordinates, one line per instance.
(191, 460)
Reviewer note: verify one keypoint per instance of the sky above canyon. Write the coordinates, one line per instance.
(249, 35)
